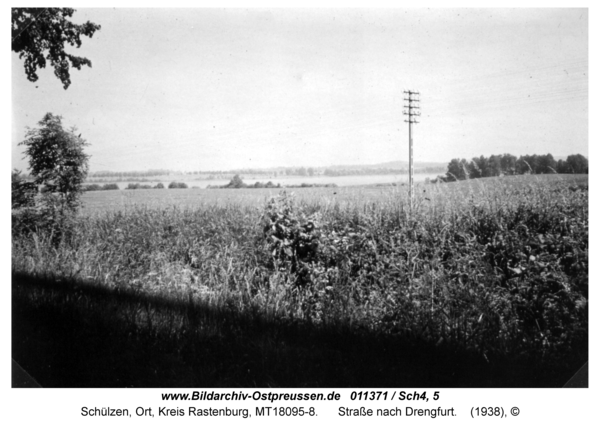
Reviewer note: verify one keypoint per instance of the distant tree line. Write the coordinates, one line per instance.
(507, 164)
(133, 186)
(96, 187)
(306, 185)
(291, 171)
(133, 174)
(138, 186)
(159, 186)
(238, 182)
(379, 171)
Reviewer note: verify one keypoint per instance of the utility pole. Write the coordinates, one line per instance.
(412, 111)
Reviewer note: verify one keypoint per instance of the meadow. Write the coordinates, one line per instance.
(194, 198)
(483, 283)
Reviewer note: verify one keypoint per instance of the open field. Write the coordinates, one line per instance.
(193, 198)
(484, 283)
(113, 200)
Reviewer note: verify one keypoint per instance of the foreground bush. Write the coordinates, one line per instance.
(509, 281)
(48, 218)
(22, 192)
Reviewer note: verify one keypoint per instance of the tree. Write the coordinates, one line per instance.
(457, 170)
(57, 160)
(494, 165)
(508, 163)
(40, 34)
(176, 185)
(561, 166)
(473, 168)
(577, 163)
(528, 164)
(547, 164)
(236, 182)
(478, 167)
(534, 162)
(523, 166)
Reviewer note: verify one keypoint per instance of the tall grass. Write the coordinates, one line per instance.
(495, 269)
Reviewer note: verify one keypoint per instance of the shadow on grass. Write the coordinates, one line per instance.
(72, 334)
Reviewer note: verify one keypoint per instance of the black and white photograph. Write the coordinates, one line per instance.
(302, 198)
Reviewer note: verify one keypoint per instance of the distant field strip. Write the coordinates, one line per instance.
(427, 195)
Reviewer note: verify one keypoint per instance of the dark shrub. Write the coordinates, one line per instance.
(49, 217)
(178, 185)
(236, 182)
(92, 187)
(23, 192)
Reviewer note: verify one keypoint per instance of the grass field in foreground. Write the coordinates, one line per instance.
(485, 283)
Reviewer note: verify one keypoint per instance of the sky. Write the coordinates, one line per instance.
(219, 89)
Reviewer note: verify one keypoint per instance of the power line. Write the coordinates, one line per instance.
(412, 111)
